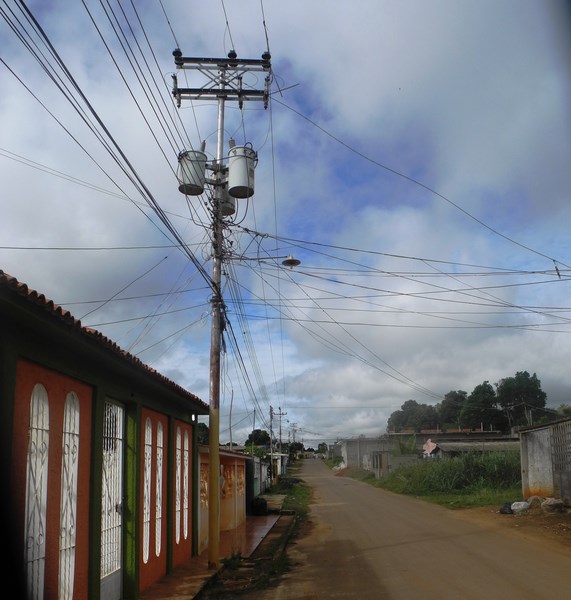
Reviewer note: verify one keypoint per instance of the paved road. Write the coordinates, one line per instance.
(368, 543)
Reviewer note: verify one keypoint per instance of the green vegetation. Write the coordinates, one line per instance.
(334, 462)
(297, 494)
(473, 479)
(297, 499)
(512, 401)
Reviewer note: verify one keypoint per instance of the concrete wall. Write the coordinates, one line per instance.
(546, 460)
(358, 452)
(536, 463)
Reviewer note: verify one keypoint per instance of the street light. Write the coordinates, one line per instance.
(289, 260)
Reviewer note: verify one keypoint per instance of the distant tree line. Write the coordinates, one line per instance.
(511, 402)
(259, 442)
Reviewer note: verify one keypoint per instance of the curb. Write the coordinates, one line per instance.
(289, 521)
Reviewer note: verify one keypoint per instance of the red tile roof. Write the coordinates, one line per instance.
(21, 290)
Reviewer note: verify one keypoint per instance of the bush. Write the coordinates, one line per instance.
(469, 472)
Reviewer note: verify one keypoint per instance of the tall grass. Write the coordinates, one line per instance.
(469, 473)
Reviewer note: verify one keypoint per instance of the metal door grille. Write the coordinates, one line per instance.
(68, 512)
(36, 493)
(112, 489)
(185, 485)
(561, 453)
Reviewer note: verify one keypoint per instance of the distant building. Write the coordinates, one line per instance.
(377, 454)
(451, 449)
(382, 455)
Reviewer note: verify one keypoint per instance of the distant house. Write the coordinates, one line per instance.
(386, 453)
(371, 454)
(451, 449)
(100, 455)
(546, 460)
(358, 452)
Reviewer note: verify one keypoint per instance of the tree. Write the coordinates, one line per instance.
(520, 396)
(481, 409)
(296, 447)
(413, 415)
(202, 433)
(450, 408)
(258, 437)
(322, 448)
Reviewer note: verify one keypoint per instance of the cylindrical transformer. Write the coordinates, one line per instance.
(227, 205)
(241, 164)
(191, 172)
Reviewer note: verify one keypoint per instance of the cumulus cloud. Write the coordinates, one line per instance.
(414, 157)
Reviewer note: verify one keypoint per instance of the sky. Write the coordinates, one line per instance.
(414, 156)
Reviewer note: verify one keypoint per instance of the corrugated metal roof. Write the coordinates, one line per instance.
(22, 291)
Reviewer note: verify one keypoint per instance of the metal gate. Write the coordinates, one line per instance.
(112, 502)
(561, 454)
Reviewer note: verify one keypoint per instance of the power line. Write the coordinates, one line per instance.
(418, 183)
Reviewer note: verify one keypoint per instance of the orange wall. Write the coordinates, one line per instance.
(28, 374)
(232, 494)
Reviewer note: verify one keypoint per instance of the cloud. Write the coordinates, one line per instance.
(414, 157)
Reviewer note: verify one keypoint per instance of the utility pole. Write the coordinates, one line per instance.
(281, 414)
(224, 83)
(271, 446)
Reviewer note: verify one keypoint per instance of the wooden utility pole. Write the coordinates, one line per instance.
(225, 83)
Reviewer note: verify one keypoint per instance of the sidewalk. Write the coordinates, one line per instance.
(186, 581)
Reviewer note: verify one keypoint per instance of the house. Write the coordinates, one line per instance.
(384, 454)
(233, 466)
(372, 454)
(546, 460)
(451, 449)
(99, 453)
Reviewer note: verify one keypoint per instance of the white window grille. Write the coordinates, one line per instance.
(68, 510)
(148, 454)
(178, 486)
(159, 490)
(36, 492)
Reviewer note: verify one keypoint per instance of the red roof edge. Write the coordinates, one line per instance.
(57, 312)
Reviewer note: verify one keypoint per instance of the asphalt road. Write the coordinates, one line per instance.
(367, 543)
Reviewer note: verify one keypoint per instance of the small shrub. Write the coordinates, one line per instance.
(467, 473)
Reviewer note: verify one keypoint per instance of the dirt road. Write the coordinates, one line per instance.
(366, 543)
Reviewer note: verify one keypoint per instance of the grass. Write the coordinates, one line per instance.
(297, 499)
(297, 493)
(471, 480)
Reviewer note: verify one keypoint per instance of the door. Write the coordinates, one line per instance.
(112, 502)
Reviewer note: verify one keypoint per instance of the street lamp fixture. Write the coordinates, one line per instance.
(291, 262)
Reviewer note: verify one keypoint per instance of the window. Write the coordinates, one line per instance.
(178, 484)
(37, 492)
(159, 489)
(68, 508)
(147, 488)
